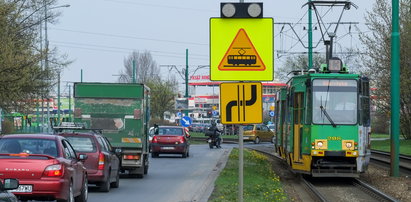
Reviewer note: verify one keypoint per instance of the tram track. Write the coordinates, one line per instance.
(383, 159)
(333, 189)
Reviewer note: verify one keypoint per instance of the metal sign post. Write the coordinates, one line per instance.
(241, 49)
(240, 163)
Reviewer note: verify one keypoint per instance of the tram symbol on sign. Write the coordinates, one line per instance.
(242, 55)
(241, 60)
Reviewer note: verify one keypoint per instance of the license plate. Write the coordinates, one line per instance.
(246, 138)
(166, 148)
(23, 188)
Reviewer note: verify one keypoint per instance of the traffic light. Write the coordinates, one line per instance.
(241, 10)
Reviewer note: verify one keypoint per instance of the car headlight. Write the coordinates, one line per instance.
(348, 144)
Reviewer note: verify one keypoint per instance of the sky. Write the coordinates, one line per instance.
(97, 35)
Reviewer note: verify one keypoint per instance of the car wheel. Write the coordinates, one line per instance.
(257, 140)
(184, 155)
(116, 184)
(273, 139)
(105, 186)
(70, 197)
(84, 192)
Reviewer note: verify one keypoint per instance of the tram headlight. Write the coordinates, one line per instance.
(348, 144)
(320, 144)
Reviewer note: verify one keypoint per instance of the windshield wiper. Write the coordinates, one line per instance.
(328, 116)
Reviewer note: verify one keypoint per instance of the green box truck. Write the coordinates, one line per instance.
(122, 111)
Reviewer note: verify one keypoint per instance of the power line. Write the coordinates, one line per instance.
(129, 37)
(163, 6)
(120, 48)
(119, 51)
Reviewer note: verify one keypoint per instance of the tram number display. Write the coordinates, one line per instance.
(350, 83)
(333, 138)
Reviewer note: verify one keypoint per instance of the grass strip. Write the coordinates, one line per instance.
(385, 145)
(260, 182)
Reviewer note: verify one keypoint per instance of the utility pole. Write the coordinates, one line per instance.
(186, 76)
(134, 71)
(58, 98)
(310, 37)
(395, 90)
(69, 102)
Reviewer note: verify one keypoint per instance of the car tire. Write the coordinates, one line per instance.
(184, 155)
(105, 186)
(257, 140)
(84, 192)
(273, 139)
(70, 197)
(116, 183)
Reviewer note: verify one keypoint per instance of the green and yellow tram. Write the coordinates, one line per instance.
(323, 122)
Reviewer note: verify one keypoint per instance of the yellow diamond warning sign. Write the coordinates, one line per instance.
(241, 49)
(241, 55)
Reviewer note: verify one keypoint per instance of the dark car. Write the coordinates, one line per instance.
(171, 140)
(102, 163)
(8, 184)
(46, 166)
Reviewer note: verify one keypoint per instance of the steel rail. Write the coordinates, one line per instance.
(380, 196)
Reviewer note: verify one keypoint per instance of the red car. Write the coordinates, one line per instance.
(46, 166)
(102, 163)
(171, 140)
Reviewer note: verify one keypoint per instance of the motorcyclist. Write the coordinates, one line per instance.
(216, 134)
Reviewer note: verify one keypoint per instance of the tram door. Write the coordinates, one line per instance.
(298, 114)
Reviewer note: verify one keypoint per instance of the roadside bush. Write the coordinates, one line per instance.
(7, 127)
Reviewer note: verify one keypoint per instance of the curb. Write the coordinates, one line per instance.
(208, 186)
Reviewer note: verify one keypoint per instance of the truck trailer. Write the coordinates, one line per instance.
(122, 111)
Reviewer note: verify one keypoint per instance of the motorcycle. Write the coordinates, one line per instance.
(214, 141)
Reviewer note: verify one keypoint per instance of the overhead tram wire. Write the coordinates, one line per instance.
(121, 48)
(130, 37)
(127, 52)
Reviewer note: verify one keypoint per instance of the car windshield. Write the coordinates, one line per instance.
(249, 127)
(170, 131)
(82, 144)
(336, 99)
(28, 145)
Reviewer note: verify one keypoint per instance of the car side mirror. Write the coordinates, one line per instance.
(10, 184)
(82, 157)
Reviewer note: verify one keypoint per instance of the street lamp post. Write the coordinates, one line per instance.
(46, 61)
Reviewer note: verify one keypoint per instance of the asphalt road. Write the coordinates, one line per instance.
(171, 178)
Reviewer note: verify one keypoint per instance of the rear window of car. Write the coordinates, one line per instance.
(82, 144)
(170, 131)
(29, 146)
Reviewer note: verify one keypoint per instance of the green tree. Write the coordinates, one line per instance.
(163, 94)
(377, 60)
(22, 79)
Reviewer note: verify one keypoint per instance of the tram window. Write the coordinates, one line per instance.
(339, 101)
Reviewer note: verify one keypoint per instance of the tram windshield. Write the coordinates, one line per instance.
(335, 101)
